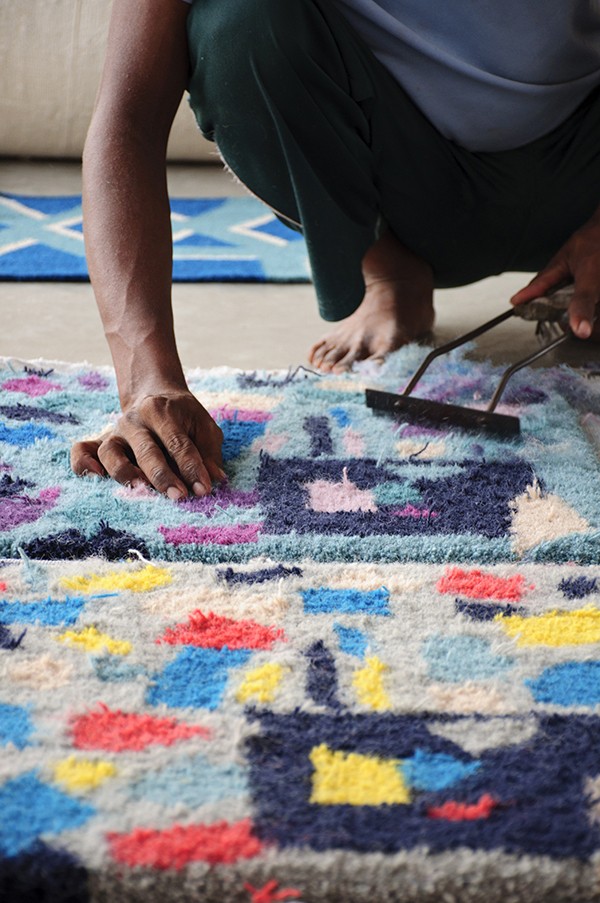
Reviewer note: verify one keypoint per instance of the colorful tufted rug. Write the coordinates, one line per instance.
(214, 240)
(368, 669)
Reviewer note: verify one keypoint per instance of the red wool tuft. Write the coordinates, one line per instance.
(479, 585)
(117, 731)
(270, 894)
(453, 811)
(215, 632)
(175, 847)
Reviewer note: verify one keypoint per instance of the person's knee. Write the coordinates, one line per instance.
(240, 39)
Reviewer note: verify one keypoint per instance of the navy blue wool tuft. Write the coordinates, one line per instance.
(252, 380)
(262, 576)
(28, 412)
(320, 437)
(72, 545)
(486, 490)
(11, 487)
(485, 611)
(43, 875)
(33, 371)
(9, 641)
(321, 676)
(578, 587)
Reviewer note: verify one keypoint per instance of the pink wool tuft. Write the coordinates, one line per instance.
(328, 497)
(33, 385)
(222, 536)
(411, 511)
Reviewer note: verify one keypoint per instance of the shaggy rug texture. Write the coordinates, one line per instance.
(366, 669)
(214, 240)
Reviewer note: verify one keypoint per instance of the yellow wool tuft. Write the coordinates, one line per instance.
(426, 451)
(354, 779)
(555, 628)
(368, 682)
(92, 640)
(135, 581)
(82, 774)
(261, 683)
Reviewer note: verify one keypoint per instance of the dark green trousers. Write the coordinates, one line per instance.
(314, 125)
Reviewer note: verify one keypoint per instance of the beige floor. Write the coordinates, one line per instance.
(252, 326)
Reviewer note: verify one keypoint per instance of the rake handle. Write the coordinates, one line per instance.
(455, 343)
(519, 365)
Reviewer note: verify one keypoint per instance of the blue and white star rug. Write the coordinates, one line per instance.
(366, 670)
(214, 240)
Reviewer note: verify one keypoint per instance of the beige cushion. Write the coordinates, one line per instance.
(51, 54)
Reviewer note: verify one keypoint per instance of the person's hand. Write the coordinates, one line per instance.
(578, 261)
(168, 441)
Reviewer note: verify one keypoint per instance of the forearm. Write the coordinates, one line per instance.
(129, 251)
(165, 438)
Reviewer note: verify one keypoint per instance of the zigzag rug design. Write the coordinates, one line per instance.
(367, 669)
(214, 240)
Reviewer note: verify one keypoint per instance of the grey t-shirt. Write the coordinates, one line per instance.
(489, 74)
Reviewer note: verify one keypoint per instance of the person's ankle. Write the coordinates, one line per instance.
(388, 260)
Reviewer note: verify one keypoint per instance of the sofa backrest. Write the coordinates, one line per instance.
(51, 55)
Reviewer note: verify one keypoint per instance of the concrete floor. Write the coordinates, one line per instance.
(251, 326)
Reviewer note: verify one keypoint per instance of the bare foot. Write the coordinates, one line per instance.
(397, 309)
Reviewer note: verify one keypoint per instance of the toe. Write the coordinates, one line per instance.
(336, 353)
(325, 358)
(327, 365)
(347, 360)
(317, 352)
(324, 366)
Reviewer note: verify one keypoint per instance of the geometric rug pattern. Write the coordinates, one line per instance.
(214, 240)
(366, 668)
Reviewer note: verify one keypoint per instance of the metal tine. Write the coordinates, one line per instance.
(450, 346)
(519, 365)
